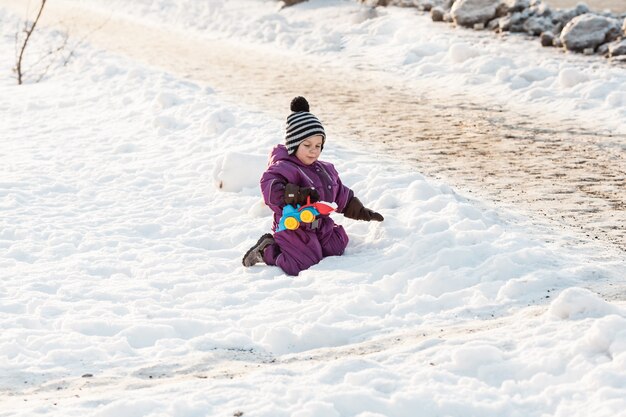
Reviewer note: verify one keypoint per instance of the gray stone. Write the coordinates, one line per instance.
(373, 3)
(619, 59)
(402, 3)
(512, 6)
(547, 39)
(431, 4)
(479, 26)
(617, 48)
(582, 8)
(446, 4)
(603, 49)
(288, 3)
(469, 12)
(542, 10)
(536, 25)
(517, 21)
(494, 24)
(504, 24)
(502, 10)
(564, 15)
(588, 31)
(436, 13)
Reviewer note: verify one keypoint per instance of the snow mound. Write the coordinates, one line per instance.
(218, 121)
(235, 171)
(570, 77)
(578, 303)
(461, 52)
(606, 337)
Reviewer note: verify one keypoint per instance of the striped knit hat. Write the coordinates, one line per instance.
(301, 124)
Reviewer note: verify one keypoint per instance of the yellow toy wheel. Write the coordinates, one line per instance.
(291, 223)
(307, 216)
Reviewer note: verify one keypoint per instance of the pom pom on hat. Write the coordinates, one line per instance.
(299, 104)
(301, 125)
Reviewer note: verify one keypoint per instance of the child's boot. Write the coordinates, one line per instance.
(255, 253)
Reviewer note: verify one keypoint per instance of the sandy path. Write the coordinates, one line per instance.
(569, 175)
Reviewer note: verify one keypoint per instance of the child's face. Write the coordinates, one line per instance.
(310, 149)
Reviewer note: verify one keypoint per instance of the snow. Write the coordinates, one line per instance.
(128, 196)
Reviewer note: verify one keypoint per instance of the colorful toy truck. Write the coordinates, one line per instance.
(293, 216)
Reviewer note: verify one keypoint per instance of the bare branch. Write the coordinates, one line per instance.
(29, 32)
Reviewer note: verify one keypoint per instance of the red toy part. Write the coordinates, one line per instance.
(323, 208)
(320, 206)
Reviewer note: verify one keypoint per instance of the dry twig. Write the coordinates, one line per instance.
(29, 32)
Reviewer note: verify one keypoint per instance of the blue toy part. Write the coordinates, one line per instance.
(293, 216)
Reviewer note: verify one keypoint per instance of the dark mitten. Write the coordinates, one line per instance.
(355, 210)
(295, 194)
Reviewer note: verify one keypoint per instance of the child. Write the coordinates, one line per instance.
(295, 173)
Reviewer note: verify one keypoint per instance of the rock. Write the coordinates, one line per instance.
(617, 48)
(479, 26)
(446, 4)
(557, 43)
(512, 6)
(371, 3)
(588, 31)
(469, 12)
(624, 28)
(436, 13)
(582, 8)
(403, 3)
(558, 27)
(504, 24)
(541, 10)
(547, 39)
(563, 16)
(536, 25)
(603, 49)
(589, 51)
(619, 59)
(494, 24)
(431, 4)
(288, 3)
(447, 17)
(502, 10)
(614, 33)
(517, 21)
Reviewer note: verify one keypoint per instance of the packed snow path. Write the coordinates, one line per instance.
(570, 174)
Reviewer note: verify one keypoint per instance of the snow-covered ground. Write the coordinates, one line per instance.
(128, 196)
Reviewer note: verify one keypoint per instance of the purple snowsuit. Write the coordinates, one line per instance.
(297, 250)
